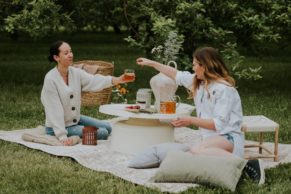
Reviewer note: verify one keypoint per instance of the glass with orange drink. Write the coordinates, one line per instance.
(129, 75)
(169, 106)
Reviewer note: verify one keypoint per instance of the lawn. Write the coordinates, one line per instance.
(23, 65)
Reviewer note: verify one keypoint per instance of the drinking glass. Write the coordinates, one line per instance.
(169, 106)
(129, 75)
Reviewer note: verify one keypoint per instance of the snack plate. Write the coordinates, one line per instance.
(137, 109)
(132, 110)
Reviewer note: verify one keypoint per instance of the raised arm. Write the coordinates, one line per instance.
(165, 69)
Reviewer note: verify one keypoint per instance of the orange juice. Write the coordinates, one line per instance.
(168, 107)
(129, 76)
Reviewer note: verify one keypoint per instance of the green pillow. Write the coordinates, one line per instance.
(187, 168)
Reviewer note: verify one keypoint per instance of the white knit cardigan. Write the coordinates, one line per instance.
(62, 102)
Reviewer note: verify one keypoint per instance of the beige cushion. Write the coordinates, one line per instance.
(258, 123)
(187, 168)
(46, 139)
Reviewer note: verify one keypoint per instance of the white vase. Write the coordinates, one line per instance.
(163, 87)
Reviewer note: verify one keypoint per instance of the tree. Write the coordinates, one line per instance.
(38, 18)
(6, 8)
(222, 24)
(96, 15)
(225, 25)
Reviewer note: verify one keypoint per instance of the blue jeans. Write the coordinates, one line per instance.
(104, 128)
(229, 138)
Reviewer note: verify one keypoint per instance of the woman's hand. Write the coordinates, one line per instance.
(182, 122)
(165, 69)
(185, 121)
(120, 80)
(67, 142)
(145, 62)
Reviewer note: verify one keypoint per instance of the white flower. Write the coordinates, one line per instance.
(170, 49)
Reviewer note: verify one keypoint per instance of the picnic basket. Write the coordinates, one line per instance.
(96, 67)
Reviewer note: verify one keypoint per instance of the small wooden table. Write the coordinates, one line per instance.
(140, 130)
(261, 124)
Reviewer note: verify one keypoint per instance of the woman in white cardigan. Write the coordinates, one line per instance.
(61, 96)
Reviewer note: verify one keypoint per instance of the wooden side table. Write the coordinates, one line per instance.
(261, 124)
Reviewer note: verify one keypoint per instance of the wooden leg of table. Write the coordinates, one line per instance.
(276, 145)
(261, 142)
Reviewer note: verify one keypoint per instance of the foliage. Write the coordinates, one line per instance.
(169, 50)
(92, 15)
(226, 25)
(234, 59)
(119, 93)
(154, 26)
(199, 21)
(264, 20)
(38, 18)
(221, 24)
(6, 8)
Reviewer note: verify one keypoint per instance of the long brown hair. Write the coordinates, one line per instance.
(215, 68)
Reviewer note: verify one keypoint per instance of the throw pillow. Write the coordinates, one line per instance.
(46, 139)
(187, 168)
(152, 156)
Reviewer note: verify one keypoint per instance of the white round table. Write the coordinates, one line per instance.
(140, 130)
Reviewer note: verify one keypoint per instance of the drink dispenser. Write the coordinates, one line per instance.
(163, 87)
(143, 98)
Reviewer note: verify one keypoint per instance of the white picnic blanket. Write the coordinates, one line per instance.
(102, 158)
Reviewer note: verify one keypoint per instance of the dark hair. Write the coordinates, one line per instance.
(54, 50)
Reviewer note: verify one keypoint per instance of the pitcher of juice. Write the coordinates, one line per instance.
(163, 87)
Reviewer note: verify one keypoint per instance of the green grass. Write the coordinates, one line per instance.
(23, 65)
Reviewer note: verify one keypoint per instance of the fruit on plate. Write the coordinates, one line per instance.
(133, 107)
